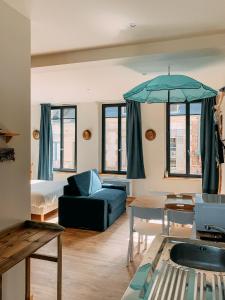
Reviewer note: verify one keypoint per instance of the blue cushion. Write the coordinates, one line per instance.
(86, 182)
(96, 184)
(114, 197)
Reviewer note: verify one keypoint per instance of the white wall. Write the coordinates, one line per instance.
(88, 150)
(35, 125)
(15, 116)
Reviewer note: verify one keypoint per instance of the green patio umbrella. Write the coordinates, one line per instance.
(170, 88)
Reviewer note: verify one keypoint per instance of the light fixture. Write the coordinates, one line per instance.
(132, 25)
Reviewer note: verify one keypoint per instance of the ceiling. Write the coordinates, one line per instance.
(63, 25)
(106, 81)
(58, 25)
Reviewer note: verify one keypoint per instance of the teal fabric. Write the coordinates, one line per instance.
(45, 169)
(210, 170)
(114, 215)
(83, 182)
(135, 161)
(96, 184)
(139, 278)
(113, 197)
(87, 182)
(181, 89)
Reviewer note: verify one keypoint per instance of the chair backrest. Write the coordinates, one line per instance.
(180, 217)
(148, 213)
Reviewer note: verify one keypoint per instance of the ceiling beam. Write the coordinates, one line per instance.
(122, 51)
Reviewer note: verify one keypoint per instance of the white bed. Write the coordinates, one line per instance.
(44, 196)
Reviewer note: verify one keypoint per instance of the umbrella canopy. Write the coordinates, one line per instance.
(170, 88)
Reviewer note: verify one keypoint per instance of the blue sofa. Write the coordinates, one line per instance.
(89, 204)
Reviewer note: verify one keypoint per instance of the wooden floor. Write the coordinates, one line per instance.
(94, 265)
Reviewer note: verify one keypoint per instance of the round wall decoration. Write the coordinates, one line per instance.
(86, 134)
(150, 134)
(36, 134)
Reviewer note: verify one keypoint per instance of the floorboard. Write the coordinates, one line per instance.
(94, 265)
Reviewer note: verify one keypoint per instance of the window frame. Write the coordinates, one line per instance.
(61, 108)
(187, 114)
(104, 170)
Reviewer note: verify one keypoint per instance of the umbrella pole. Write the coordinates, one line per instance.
(168, 100)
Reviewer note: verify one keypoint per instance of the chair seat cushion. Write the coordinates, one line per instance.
(114, 198)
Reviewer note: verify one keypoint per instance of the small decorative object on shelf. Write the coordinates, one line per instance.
(150, 134)
(36, 134)
(86, 134)
(7, 135)
(7, 154)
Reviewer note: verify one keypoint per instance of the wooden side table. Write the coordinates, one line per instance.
(22, 241)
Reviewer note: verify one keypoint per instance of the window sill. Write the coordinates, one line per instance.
(182, 178)
(113, 175)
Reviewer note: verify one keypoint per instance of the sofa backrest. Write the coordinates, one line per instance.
(68, 191)
(85, 183)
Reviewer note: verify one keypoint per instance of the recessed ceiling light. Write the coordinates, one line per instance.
(132, 25)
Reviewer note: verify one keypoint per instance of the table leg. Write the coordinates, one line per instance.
(1, 287)
(27, 292)
(59, 268)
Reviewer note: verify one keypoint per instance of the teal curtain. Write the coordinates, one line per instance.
(135, 162)
(210, 170)
(45, 170)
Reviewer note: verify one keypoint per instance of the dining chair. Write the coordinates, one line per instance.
(182, 217)
(140, 222)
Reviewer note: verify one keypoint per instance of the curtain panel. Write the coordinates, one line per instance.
(135, 161)
(210, 169)
(45, 166)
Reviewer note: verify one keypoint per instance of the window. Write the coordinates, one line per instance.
(183, 139)
(114, 159)
(64, 137)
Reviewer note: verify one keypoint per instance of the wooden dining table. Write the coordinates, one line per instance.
(165, 202)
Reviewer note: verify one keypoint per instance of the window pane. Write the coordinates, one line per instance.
(178, 144)
(177, 109)
(111, 138)
(195, 156)
(69, 143)
(195, 108)
(69, 113)
(123, 140)
(55, 115)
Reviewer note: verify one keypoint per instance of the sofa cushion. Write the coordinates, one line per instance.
(114, 197)
(86, 183)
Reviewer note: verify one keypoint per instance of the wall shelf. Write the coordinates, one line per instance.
(8, 135)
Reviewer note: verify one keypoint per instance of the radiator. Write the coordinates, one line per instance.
(119, 181)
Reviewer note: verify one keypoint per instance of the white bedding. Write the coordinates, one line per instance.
(44, 195)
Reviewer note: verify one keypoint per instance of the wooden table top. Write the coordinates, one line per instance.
(156, 201)
(149, 201)
(20, 241)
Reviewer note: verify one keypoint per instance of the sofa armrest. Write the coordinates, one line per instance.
(83, 212)
(114, 186)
